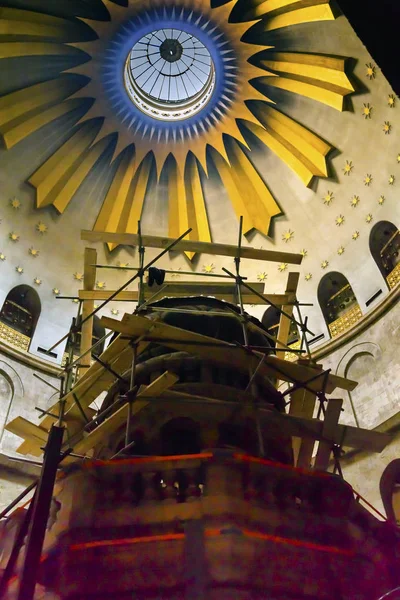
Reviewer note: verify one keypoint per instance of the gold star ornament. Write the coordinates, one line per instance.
(2, 256)
(371, 71)
(324, 264)
(308, 276)
(339, 220)
(340, 250)
(387, 127)
(354, 201)
(369, 218)
(14, 237)
(122, 265)
(33, 252)
(367, 110)
(348, 167)
(78, 276)
(391, 100)
(37, 281)
(41, 227)
(114, 311)
(328, 198)
(368, 179)
(209, 268)
(15, 203)
(392, 179)
(398, 157)
(101, 285)
(381, 200)
(287, 236)
(262, 276)
(19, 270)
(75, 300)
(56, 291)
(304, 252)
(355, 235)
(282, 267)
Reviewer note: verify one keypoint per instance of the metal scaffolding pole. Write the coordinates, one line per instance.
(40, 514)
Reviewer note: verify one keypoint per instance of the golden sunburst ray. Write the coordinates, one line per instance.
(137, 141)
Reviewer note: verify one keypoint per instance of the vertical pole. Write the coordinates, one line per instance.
(303, 330)
(40, 514)
(132, 385)
(89, 282)
(141, 265)
(238, 283)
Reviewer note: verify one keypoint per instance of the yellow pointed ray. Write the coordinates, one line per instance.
(197, 212)
(303, 151)
(15, 23)
(131, 195)
(284, 13)
(36, 119)
(51, 177)
(178, 214)
(247, 191)
(118, 194)
(69, 185)
(21, 111)
(16, 49)
(321, 78)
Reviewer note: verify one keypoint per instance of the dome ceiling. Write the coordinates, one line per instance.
(276, 112)
(116, 115)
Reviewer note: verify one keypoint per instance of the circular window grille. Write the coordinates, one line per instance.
(169, 74)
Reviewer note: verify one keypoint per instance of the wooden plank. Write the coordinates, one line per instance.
(132, 296)
(302, 404)
(27, 430)
(89, 281)
(112, 423)
(152, 241)
(332, 415)
(284, 321)
(210, 348)
(351, 437)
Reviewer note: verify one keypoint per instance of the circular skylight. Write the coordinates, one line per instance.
(169, 74)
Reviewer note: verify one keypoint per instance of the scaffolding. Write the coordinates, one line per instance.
(81, 380)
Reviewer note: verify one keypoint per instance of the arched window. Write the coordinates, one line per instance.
(384, 244)
(98, 333)
(338, 303)
(19, 315)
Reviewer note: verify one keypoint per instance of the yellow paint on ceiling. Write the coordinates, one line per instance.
(322, 78)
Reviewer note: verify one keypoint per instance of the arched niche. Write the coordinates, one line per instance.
(384, 245)
(271, 319)
(180, 436)
(75, 343)
(19, 316)
(338, 303)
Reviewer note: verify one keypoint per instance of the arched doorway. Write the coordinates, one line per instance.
(338, 303)
(384, 245)
(19, 316)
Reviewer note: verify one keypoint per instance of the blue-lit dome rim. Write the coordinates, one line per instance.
(140, 25)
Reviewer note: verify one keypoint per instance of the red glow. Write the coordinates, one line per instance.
(270, 463)
(212, 533)
(146, 459)
(128, 541)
